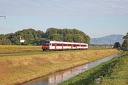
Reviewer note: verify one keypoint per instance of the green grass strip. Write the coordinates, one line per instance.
(103, 71)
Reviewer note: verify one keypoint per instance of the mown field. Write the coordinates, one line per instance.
(4, 49)
(23, 66)
(7, 49)
(113, 72)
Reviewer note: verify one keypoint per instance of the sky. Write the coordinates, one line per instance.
(97, 18)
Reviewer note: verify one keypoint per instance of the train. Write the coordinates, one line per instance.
(60, 45)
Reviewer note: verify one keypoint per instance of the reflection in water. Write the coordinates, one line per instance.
(65, 75)
(61, 76)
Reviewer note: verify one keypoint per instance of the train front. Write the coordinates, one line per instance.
(45, 45)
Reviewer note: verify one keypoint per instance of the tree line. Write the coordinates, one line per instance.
(124, 45)
(33, 37)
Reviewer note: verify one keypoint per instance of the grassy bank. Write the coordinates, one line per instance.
(18, 68)
(113, 72)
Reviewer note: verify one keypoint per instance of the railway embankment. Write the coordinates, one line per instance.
(19, 68)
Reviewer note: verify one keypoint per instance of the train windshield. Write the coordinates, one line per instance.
(45, 43)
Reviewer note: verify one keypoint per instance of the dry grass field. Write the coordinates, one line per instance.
(18, 49)
(21, 67)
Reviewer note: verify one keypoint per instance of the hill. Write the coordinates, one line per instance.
(110, 39)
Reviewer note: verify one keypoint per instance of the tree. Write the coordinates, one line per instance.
(30, 36)
(67, 35)
(117, 45)
(125, 43)
(87, 39)
(50, 32)
(126, 36)
(33, 37)
(68, 38)
(4, 40)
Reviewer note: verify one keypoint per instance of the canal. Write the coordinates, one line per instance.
(58, 77)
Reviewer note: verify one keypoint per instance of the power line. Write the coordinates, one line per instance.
(13, 25)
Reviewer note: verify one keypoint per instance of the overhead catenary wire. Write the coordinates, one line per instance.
(10, 26)
(3, 28)
(3, 17)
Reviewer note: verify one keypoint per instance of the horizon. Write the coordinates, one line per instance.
(96, 18)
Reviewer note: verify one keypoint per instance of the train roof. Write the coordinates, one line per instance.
(66, 42)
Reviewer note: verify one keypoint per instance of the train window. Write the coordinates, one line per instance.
(59, 44)
(74, 45)
(64, 44)
(53, 44)
(69, 44)
(45, 44)
(83, 45)
(78, 45)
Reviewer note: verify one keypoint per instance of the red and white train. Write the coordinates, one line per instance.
(59, 45)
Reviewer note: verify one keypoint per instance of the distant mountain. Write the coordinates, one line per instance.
(111, 39)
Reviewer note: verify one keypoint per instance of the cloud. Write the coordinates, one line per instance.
(69, 8)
